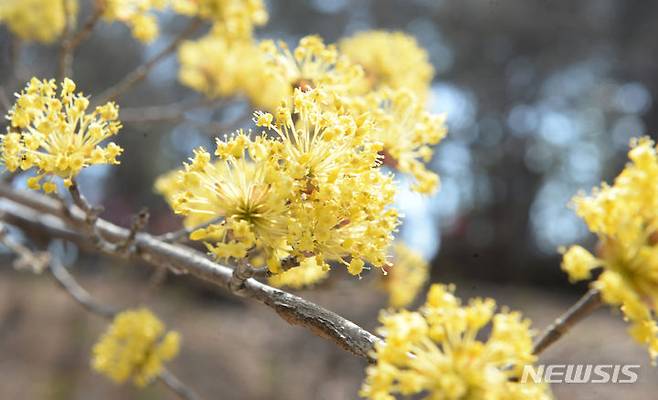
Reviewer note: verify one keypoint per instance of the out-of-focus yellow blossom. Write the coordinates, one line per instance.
(219, 67)
(390, 59)
(624, 216)
(436, 353)
(312, 65)
(407, 131)
(406, 277)
(308, 273)
(56, 135)
(236, 19)
(246, 188)
(39, 20)
(138, 15)
(134, 347)
(340, 200)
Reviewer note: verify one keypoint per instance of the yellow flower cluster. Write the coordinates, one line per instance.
(312, 65)
(406, 130)
(136, 14)
(406, 277)
(246, 188)
(56, 135)
(235, 19)
(220, 67)
(38, 20)
(390, 59)
(314, 190)
(438, 353)
(401, 122)
(624, 216)
(134, 347)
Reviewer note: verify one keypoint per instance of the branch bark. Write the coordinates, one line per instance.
(583, 307)
(40, 215)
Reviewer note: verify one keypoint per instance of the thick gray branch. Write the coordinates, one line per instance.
(41, 216)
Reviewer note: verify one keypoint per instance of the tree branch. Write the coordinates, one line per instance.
(583, 307)
(38, 214)
(139, 73)
(82, 297)
(71, 41)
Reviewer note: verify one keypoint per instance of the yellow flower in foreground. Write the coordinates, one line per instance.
(236, 19)
(308, 273)
(219, 67)
(56, 135)
(137, 14)
(406, 277)
(340, 200)
(311, 65)
(134, 347)
(390, 59)
(39, 20)
(314, 190)
(407, 131)
(438, 353)
(624, 216)
(246, 188)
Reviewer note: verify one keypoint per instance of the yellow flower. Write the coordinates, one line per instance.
(312, 65)
(312, 191)
(246, 188)
(390, 59)
(56, 135)
(219, 67)
(624, 216)
(134, 347)
(308, 273)
(236, 19)
(438, 353)
(39, 20)
(137, 14)
(407, 131)
(406, 277)
(340, 200)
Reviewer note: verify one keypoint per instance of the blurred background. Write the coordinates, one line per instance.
(541, 99)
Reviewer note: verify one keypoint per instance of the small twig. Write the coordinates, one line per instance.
(27, 259)
(156, 279)
(65, 53)
(174, 384)
(241, 273)
(139, 222)
(91, 214)
(583, 307)
(71, 42)
(139, 73)
(179, 235)
(87, 27)
(86, 300)
(166, 112)
(69, 284)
